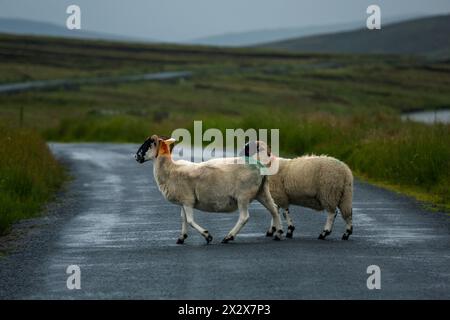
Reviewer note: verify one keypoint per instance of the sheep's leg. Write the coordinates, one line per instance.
(184, 226)
(290, 223)
(345, 206)
(271, 230)
(189, 212)
(349, 225)
(266, 200)
(243, 218)
(328, 225)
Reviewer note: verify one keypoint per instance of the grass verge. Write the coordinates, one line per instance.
(29, 175)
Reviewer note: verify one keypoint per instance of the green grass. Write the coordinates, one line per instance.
(29, 175)
(347, 106)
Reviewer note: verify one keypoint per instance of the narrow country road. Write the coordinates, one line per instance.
(68, 83)
(114, 224)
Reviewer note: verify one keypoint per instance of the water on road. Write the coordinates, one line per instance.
(429, 117)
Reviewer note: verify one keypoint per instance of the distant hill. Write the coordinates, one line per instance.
(425, 36)
(29, 27)
(250, 38)
(238, 39)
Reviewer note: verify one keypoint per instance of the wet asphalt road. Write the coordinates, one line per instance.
(113, 222)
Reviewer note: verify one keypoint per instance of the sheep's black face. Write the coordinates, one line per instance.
(145, 152)
(250, 149)
(255, 147)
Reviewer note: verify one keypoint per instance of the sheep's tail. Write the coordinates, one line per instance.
(346, 202)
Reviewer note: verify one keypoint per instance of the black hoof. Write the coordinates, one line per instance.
(271, 232)
(347, 234)
(207, 236)
(181, 239)
(324, 234)
(290, 232)
(227, 239)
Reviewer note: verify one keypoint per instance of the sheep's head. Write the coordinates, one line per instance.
(258, 150)
(155, 146)
(261, 152)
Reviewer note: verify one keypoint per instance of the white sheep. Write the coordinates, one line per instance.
(316, 182)
(217, 185)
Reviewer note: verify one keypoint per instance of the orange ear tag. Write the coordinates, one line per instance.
(164, 149)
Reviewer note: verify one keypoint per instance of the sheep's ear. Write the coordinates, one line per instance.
(169, 141)
(262, 145)
(164, 145)
(155, 138)
(269, 151)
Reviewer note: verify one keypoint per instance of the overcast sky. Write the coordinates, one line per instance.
(180, 20)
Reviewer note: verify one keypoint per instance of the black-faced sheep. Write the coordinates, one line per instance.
(217, 185)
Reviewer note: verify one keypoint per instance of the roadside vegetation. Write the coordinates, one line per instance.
(29, 175)
(348, 106)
